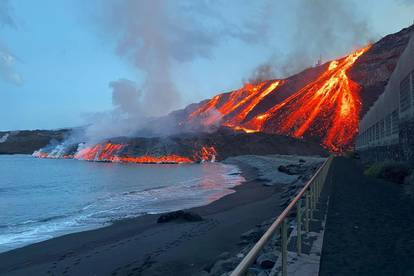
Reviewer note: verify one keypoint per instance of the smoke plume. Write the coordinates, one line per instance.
(323, 29)
(7, 59)
(154, 36)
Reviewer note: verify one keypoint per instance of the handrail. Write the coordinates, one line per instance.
(249, 259)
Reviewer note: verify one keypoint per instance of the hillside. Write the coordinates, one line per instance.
(322, 103)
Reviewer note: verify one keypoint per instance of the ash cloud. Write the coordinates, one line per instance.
(154, 36)
(323, 28)
(7, 58)
(263, 72)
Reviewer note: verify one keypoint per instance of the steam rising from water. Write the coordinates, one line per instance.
(154, 36)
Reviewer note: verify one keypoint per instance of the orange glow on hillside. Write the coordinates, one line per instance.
(327, 107)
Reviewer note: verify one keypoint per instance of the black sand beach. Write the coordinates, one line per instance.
(141, 246)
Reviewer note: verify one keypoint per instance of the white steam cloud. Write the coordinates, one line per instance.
(323, 29)
(154, 36)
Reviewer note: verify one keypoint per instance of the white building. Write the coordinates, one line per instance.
(380, 126)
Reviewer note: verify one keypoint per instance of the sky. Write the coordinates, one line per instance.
(63, 62)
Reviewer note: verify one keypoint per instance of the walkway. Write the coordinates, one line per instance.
(370, 225)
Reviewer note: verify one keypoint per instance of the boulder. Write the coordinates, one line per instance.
(267, 260)
(252, 235)
(179, 215)
(292, 169)
(224, 266)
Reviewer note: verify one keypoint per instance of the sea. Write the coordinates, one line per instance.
(45, 198)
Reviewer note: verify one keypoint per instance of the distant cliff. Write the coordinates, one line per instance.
(27, 141)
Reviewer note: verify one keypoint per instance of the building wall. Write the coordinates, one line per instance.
(387, 122)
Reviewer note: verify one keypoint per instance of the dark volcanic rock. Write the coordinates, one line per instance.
(27, 141)
(179, 215)
(252, 235)
(292, 169)
(224, 266)
(267, 260)
(226, 143)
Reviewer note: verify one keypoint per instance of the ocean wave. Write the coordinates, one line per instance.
(213, 184)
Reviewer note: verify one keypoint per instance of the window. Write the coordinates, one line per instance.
(405, 98)
(394, 121)
(370, 134)
(388, 125)
(382, 129)
(377, 131)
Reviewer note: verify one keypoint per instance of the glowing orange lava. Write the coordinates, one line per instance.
(176, 159)
(327, 107)
(99, 152)
(239, 103)
(109, 152)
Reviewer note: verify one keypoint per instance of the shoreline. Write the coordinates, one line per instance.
(142, 246)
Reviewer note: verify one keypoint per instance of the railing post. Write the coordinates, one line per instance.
(299, 226)
(320, 181)
(311, 191)
(284, 247)
(311, 202)
(307, 211)
(317, 187)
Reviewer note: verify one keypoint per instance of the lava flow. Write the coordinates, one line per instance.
(109, 152)
(327, 108)
(99, 152)
(237, 104)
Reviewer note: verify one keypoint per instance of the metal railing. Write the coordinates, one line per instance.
(310, 193)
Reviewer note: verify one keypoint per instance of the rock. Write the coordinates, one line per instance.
(302, 161)
(293, 169)
(252, 235)
(222, 256)
(224, 266)
(182, 215)
(267, 260)
(254, 271)
(283, 169)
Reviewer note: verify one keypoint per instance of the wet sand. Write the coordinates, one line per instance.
(141, 246)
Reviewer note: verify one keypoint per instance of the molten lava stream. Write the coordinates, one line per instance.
(224, 104)
(147, 159)
(327, 107)
(110, 152)
(235, 121)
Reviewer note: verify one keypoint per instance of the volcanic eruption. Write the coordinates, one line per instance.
(322, 104)
(327, 107)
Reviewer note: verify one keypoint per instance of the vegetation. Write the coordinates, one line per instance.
(388, 170)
